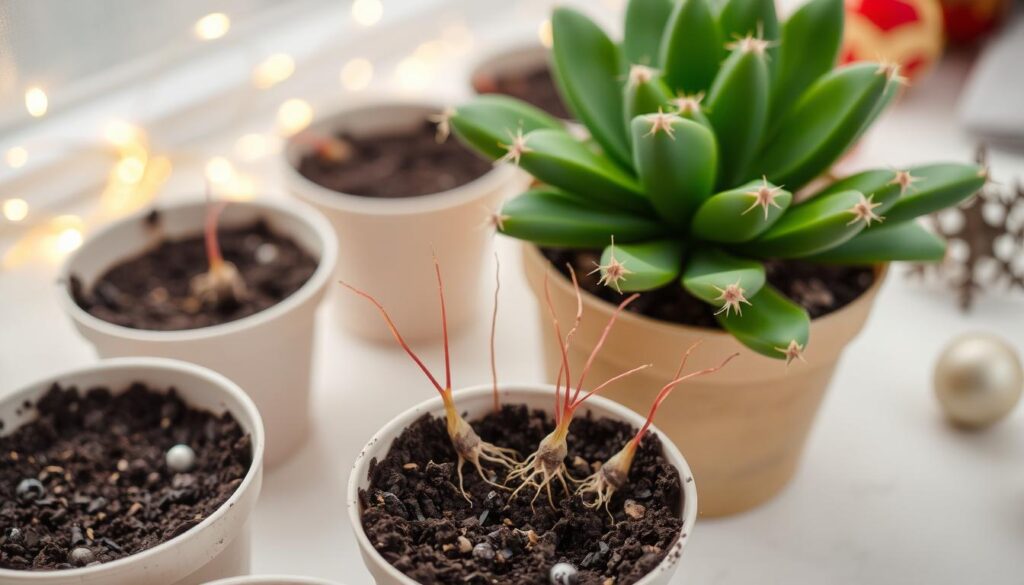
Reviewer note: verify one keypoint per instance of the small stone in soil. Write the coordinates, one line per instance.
(180, 458)
(30, 489)
(483, 552)
(81, 556)
(563, 574)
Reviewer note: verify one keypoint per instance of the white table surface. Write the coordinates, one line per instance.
(888, 493)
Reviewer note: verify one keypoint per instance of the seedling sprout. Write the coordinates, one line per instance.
(221, 282)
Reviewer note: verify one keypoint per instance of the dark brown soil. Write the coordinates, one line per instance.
(402, 164)
(105, 486)
(534, 86)
(821, 289)
(153, 291)
(415, 516)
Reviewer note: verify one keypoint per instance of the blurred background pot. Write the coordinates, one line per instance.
(273, 580)
(216, 547)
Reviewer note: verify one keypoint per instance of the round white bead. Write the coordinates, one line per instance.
(180, 458)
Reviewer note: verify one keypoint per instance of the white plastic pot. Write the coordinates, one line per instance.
(477, 401)
(268, 354)
(385, 244)
(216, 547)
(518, 57)
(272, 580)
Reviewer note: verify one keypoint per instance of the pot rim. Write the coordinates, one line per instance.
(248, 409)
(315, 221)
(881, 270)
(529, 49)
(509, 390)
(272, 580)
(323, 197)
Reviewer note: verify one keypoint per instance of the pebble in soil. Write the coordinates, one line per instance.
(106, 490)
(153, 291)
(415, 516)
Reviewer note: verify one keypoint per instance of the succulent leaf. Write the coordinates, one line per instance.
(809, 48)
(810, 227)
(881, 184)
(556, 158)
(645, 22)
(644, 93)
(937, 186)
(907, 241)
(550, 217)
(710, 271)
(587, 67)
(676, 162)
(741, 214)
(771, 325)
(738, 110)
(822, 125)
(741, 18)
(691, 48)
(645, 265)
(488, 121)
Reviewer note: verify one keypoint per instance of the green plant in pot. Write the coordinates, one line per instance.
(710, 127)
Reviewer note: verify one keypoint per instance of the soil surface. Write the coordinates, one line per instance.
(415, 516)
(818, 288)
(92, 475)
(153, 291)
(409, 163)
(534, 86)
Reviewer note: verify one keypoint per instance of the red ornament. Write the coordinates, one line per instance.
(907, 32)
(968, 21)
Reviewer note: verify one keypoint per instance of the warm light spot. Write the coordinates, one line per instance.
(294, 115)
(15, 209)
(367, 12)
(219, 170)
(130, 169)
(458, 39)
(412, 74)
(273, 70)
(68, 230)
(121, 133)
(16, 157)
(212, 26)
(250, 147)
(357, 74)
(239, 188)
(545, 34)
(36, 102)
(429, 51)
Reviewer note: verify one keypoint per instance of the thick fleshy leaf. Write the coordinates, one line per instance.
(549, 217)
(676, 164)
(938, 186)
(588, 69)
(809, 48)
(741, 18)
(691, 48)
(709, 271)
(649, 265)
(738, 110)
(769, 324)
(810, 227)
(488, 121)
(879, 184)
(645, 22)
(889, 242)
(558, 159)
(737, 216)
(644, 93)
(822, 125)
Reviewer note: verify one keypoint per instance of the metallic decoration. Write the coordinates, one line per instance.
(978, 380)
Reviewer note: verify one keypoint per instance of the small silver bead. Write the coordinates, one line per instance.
(563, 574)
(180, 458)
(266, 253)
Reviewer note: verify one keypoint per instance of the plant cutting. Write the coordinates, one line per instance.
(227, 287)
(392, 191)
(488, 524)
(138, 470)
(705, 185)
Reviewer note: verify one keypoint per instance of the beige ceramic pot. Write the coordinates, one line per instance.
(743, 429)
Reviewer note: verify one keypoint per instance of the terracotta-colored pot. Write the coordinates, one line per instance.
(743, 429)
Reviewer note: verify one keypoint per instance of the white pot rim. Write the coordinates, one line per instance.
(230, 388)
(509, 390)
(525, 47)
(318, 195)
(303, 213)
(272, 580)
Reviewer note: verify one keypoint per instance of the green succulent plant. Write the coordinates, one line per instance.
(703, 123)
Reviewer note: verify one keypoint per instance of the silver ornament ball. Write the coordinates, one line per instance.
(563, 574)
(978, 380)
(180, 458)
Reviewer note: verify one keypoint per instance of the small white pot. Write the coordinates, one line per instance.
(508, 58)
(272, 580)
(477, 401)
(216, 547)
(269, 354)
(385, 244)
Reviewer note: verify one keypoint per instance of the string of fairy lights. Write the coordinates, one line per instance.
(137, 173)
